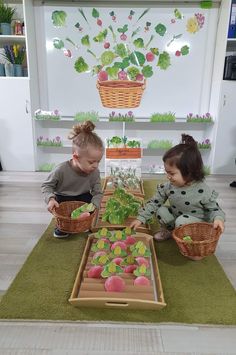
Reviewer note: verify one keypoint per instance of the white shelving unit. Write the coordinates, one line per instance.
(19, 98)
(142, 128)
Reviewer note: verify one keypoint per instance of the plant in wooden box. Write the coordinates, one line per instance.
(163, 117)
(125, 50)
(120, 206)
(6, 15)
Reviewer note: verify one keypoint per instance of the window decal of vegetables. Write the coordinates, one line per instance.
(124, 49)
(120, 206)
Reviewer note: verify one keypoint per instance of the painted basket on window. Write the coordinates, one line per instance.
(120, 93)
(67, 224)
(197, 240)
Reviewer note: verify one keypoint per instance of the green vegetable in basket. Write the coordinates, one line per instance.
(87, 207)
(187, 239)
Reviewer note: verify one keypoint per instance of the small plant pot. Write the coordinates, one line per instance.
(6, 29)
(2, 70)
(9, 69)
(18, 71)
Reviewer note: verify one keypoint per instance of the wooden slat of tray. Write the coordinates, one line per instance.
(110, 190)
(88, 292)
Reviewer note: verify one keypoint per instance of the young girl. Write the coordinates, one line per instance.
(190, 198)
(79, 178)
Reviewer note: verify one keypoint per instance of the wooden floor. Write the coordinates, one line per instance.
(23, 218)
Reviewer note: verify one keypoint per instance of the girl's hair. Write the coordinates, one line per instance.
(82, 137)
(187, 158)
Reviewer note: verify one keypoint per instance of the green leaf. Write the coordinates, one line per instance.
(123, 29)
(132, 72)
(85, 40)
(184, 50)
(101, 36)
(138, 43)
(155, 51)
(58, 43)
(137, 58)
(107, 57)
(160, 29)
(112, 72)
(147, 71)
(143, 14)
(80, 65)
(59, 18)
(135, 32)
(164, 60)
(95, 13)
(120, 50)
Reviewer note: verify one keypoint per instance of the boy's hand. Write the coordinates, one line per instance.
(52, 204)
(218, 223)
(135, 224)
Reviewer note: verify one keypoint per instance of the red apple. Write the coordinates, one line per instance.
(141, 281)
(114, 284)
(95, 272)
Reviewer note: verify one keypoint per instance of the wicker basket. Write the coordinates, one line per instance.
(65, 223)
(204, 239)
(120, 93)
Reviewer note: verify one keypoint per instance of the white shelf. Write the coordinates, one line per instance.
(11, 39)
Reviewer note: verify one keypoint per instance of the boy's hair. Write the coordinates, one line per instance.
(187, 158)
(82, 137)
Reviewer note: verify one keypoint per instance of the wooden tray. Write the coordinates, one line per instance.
(97, 222)
(110, 190)
(88, 292)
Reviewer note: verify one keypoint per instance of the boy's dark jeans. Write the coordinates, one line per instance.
(86, 197)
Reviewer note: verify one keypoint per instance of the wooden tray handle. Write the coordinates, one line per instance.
(116, 304)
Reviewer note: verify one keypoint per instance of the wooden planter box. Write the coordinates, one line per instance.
(123, 153)
(89, 292)
(98, 223)
(107, 190)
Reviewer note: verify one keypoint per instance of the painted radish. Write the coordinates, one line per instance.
(130, 240)
(99, 22)
(117, 260)
(106, 45)
(141, 281)
(150, 57)
(139, 77)
(141, 260)
(130, 268)
(122, 245)
(102, 75)
(114, 284)
(84, 215)
(122, 75)
(95, 272)
(123, 37)
(99, 253)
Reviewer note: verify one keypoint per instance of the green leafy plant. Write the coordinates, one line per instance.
(122, 142)
(87, 116)
(59, 18)
(6, 13)
(120, 206)
(163, 117)
(206, 118)
(159, 144)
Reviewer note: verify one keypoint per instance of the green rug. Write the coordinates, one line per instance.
(195, 292)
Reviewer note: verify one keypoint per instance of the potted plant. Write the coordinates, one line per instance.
(15, 55)
(6, 15)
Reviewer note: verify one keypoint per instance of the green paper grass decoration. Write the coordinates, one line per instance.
(207, 170)
(159, 144)
(206, 118)
(127, 117)
(47, 167)
(163, 117)
(206, 4)
(55, 142)
(87, 116)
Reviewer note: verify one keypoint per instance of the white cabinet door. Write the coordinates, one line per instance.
(225, 142)
(16, 135)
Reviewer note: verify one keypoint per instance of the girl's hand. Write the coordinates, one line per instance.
(135, 224)
(218, 223)
(52, 204)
